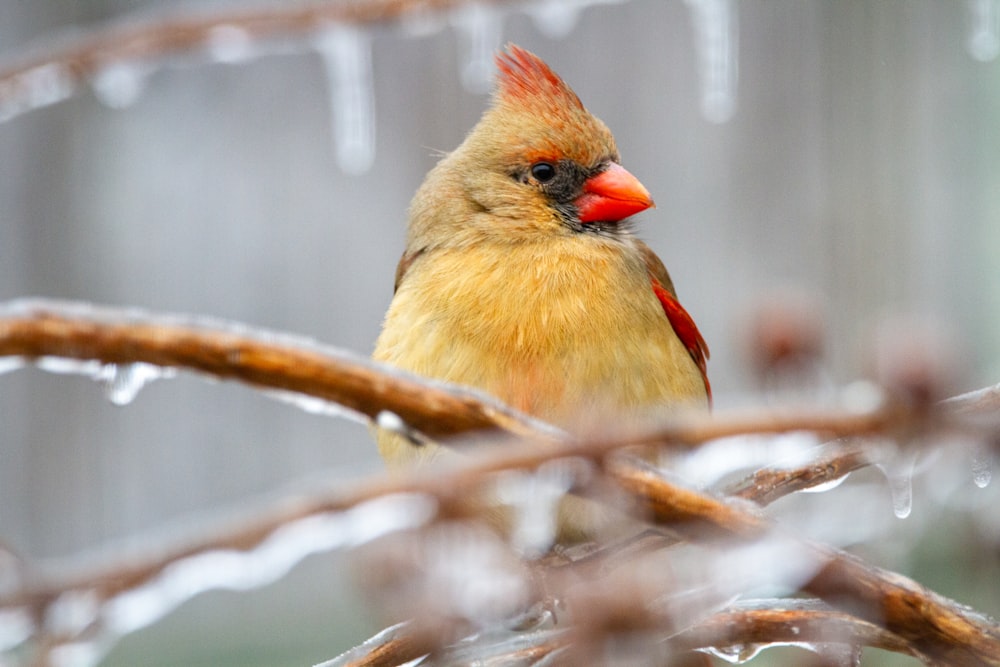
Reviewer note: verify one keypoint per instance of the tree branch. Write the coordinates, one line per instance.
(931, 624)
(227, 351)
(68, 67)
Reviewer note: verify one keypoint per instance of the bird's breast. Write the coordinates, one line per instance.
(554, 329)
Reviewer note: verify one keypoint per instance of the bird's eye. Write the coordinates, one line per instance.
(543, 172)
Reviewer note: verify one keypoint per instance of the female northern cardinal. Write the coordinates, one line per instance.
(521, 276)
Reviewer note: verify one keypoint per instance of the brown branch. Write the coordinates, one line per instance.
(131, 41)
(40, 329)
(787, 621)
(768, 484)
(33, 329)
(934, 625)
(985, 401)
(752, 625)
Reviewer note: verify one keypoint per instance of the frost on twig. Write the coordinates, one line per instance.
(426, 544)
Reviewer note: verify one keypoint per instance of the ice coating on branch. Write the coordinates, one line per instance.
(833, 654)
(62, 366)
(74, 310)
(10, 364)
(983, 37)
(480, 31)
(315, 405)
(347, 57)
(122, 382)
(230, 44)
(716, 31)
(718, 458)
(35, 88)
(119, 84)
(269, 561)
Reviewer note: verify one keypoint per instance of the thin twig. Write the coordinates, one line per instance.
(766, 485)
(787, 621)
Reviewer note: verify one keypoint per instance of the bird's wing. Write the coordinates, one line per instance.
(404, 265)
(679, 319)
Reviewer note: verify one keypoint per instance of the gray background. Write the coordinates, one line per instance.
(862, 167)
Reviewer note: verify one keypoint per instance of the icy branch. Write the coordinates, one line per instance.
(270, 541)
(38, 329)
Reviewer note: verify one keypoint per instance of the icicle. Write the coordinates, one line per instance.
(229, 44)
(347, 57)
(480, 30)
(983, 40)
(982, 465)
(899, 474)
(119, 84)
(122, 382)
(716, 41)
(37, 87)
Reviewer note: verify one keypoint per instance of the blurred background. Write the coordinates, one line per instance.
(847, 153)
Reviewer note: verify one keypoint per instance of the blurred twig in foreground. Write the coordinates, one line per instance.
(877, 607)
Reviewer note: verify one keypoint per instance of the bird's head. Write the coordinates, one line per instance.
(536, 163)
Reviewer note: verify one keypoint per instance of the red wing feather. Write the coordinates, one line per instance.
(686, 330)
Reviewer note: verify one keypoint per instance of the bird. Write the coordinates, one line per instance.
(522, 276)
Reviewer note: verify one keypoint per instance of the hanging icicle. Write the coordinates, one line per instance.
(716, 31)
(983, 39)
(347, 57)
(480, 31)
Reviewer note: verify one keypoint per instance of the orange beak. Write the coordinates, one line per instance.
(612, 195)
